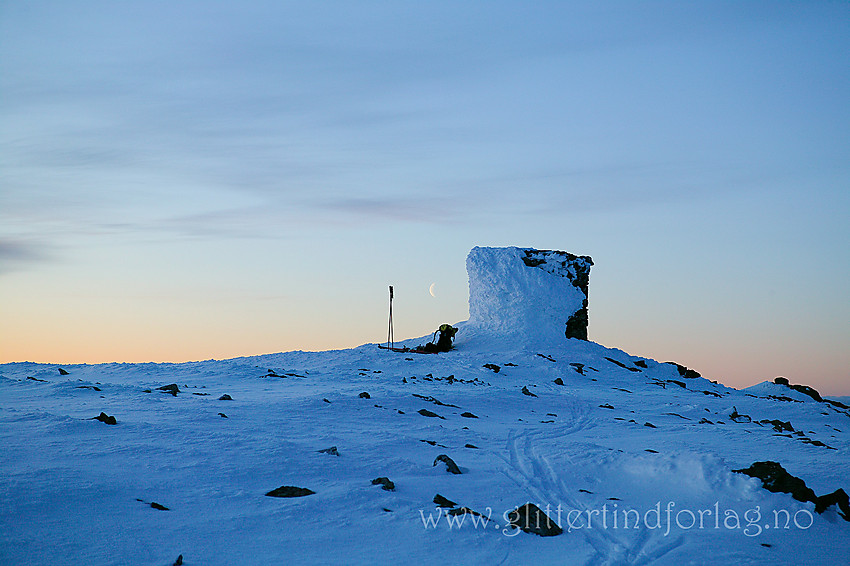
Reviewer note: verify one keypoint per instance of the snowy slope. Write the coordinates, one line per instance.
(78, 491)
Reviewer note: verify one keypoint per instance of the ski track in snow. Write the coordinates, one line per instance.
(212, 472)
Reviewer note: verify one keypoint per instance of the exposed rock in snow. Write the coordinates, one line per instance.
(531, 519)
(528, 294)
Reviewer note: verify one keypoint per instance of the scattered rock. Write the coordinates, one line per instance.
(525, 391)
(385, 483)
(705, 421)
(468, 415)
(104, 418)
(179, 561)
(92, 387)
(677, 382)
(550, 358)
(641, 364)
(170, 388)
(62, 372)
(451, 467)
(365, 395)
(778, 425)
(427, 413)
(685, 372)
(435, 401)
(578, 367)
(712, 393)
(739, 418)
(470, 446)
(650, 450)
(494, 367)
(606, 406)
(558, 381)
(650, 425)
(290, 491)
(36, 379)
(531, 519)
(325, 400)
(225, 397)
(332, 451)
(159, 507)
(222, 415)
(621, 364)
(443, 502)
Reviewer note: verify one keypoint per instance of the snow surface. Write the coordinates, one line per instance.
(77, 491)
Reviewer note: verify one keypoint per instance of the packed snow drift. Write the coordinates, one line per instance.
(519, 446)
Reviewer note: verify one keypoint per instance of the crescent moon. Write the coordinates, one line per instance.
(431, 289)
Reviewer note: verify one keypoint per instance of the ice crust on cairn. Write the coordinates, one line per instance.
(527, 294)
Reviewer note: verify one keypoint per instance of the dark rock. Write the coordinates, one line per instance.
(36, 379)
(62, 372)
(470, 446)
(427, 413)
(171, 388)
(290, 491)
(712, 393)
(159, 507)
(778, 425)
(365, 395)
(838, 404)
(776, 479)
(531, 519)
(606, 406)
(325, 400)
(837, 497)
(525, 391)
(434, 400)
(222, 415)
(621, 364)
(92, 387)
(781, 381)
(705, 421)
(385, 483)
(451, 467)
(104, 418)
(225, 397)
(685, 372)
(650, 425)
(641, 364)
(332, 451)
(443, 502)
(578, 367)
(493, 367)
(464, 511)
(806, 390)
(576, 326)
(739, 418)
(679, 383)
(468, 415)
(558, 381)
(179, 561)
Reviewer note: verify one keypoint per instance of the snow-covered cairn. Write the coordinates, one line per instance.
(528, 293)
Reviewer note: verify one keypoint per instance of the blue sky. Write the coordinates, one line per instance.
(211, 179)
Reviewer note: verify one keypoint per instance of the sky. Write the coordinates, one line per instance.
(195, 180)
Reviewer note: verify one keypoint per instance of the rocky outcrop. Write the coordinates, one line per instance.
(776, 479)
(531, 519)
